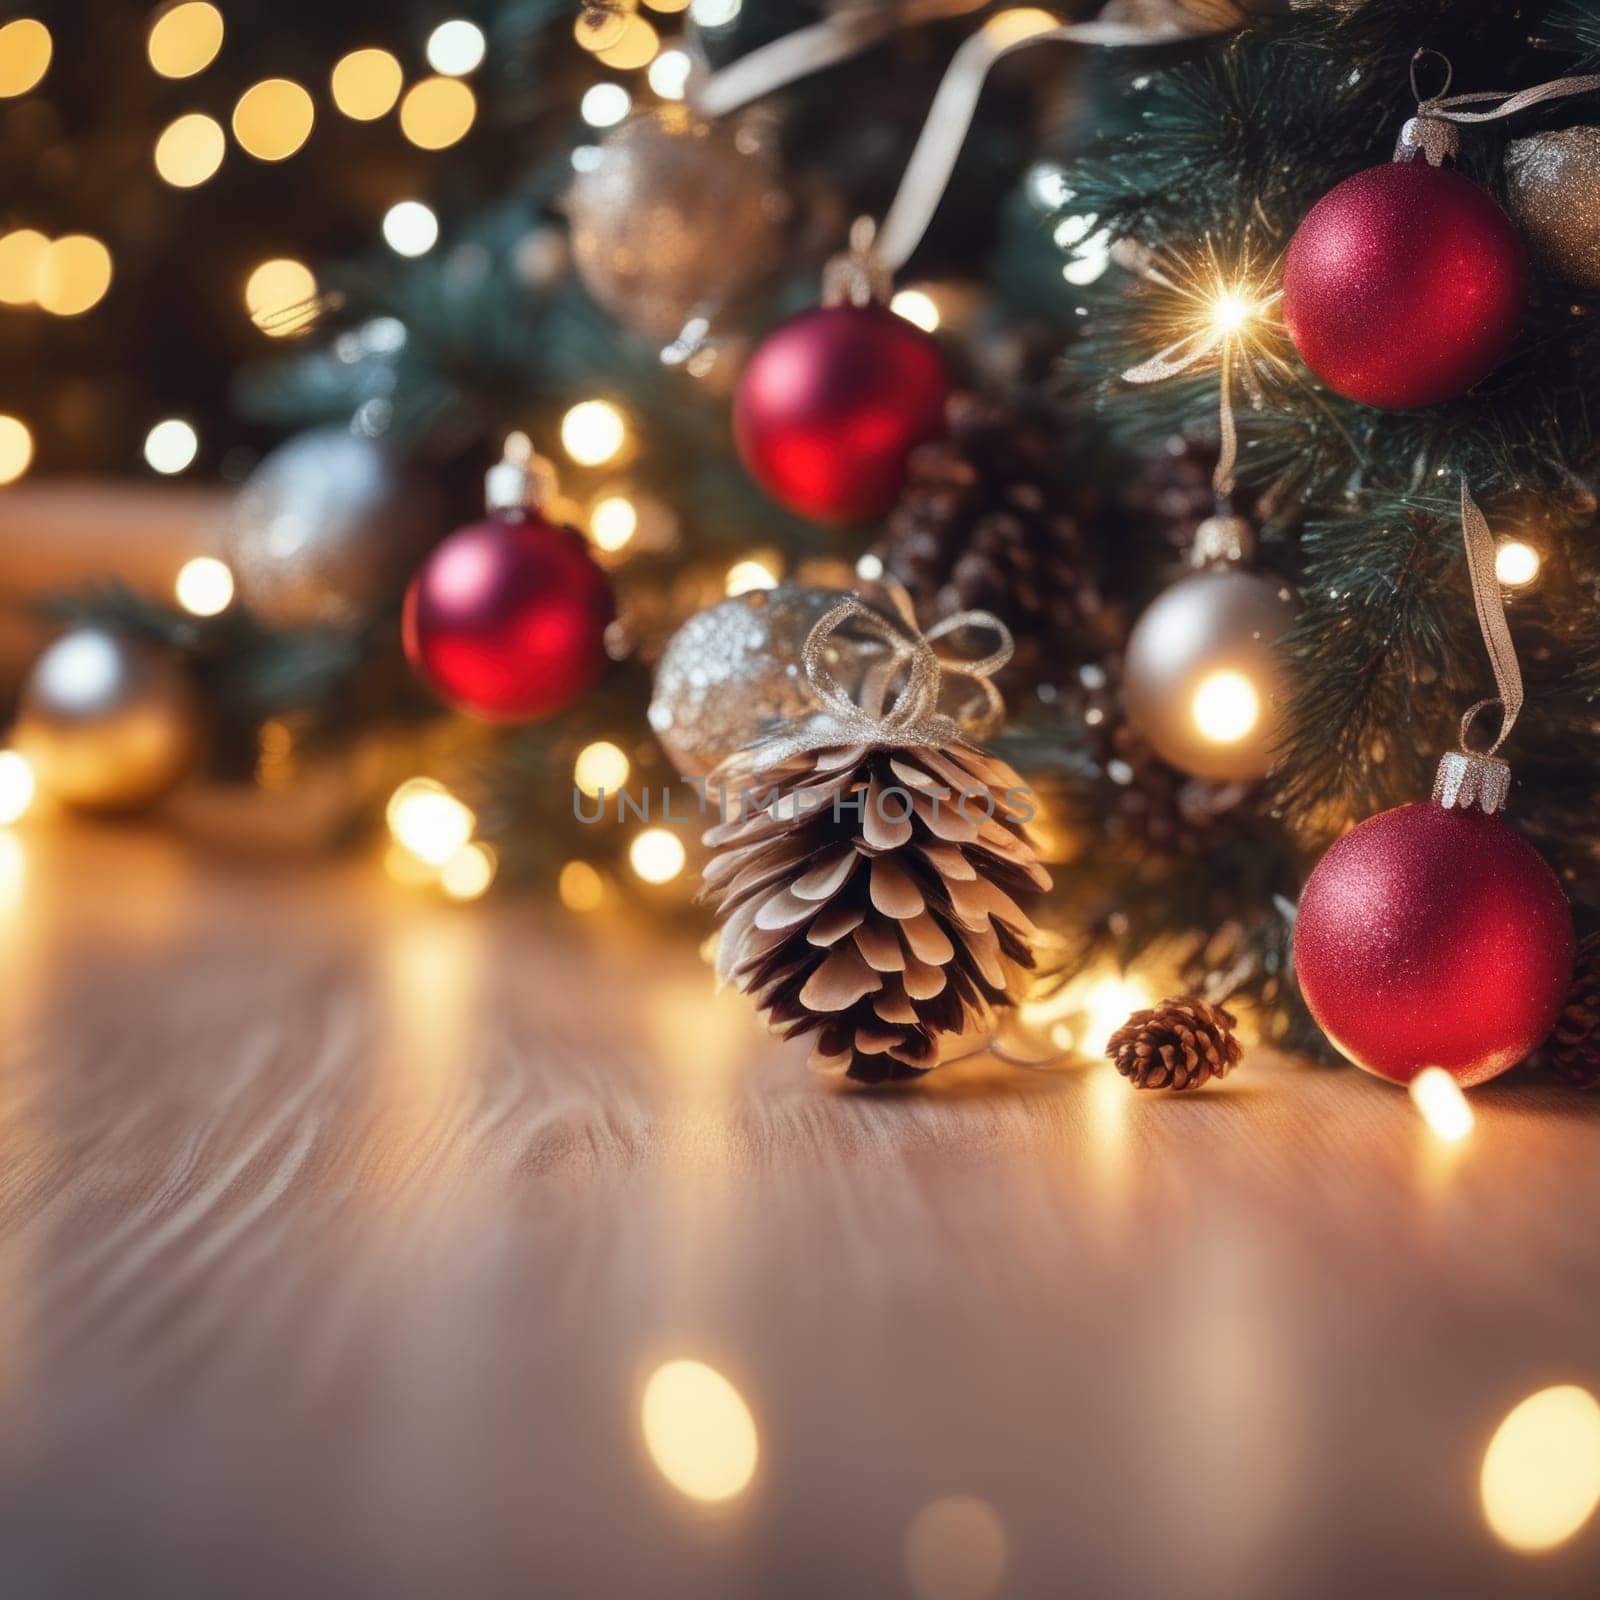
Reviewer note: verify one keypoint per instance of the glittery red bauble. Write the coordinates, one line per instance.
(1434, 938)
(1404, 285)
(506, 618)
(832, 403)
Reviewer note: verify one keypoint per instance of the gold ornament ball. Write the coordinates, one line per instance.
(107, 723)
(1553, 185)
(1203, 679)
(327, 530)
(678, 217)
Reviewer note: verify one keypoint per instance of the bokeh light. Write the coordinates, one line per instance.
(747, 575)
(410, 228)
(699, 1431)
(955, 1549)
(613, 522)
(1541, 1472)
(365, 84)
(918, 307)
(280, 296)
(204, 588)
(72, 275)
(634, 47)
(428, 820)
(657, 855)
(456, 47)
(190, 149)
(714, 13)
(601, 765)
(437, 112)
(469, 872)
(605, 104)
(1443, 1106)
(21, 251)
(171, 445)
(1516, 564)
(16, 448)
(17, 787)
(593, 432)
(580, 887)
(669, 74)
(24, 55)
(1226, 706)
(273, 119)
(185, 39)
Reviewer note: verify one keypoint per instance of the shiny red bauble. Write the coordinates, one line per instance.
(1434, 938)
(506, 619)
(1404, 285)
(832, 403)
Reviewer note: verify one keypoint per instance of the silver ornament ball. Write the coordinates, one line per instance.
(327, 530)
(1553, 185)
(1204, 681)
(107, 723)
(734, 672)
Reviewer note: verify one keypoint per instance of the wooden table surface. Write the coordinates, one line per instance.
(340, 1232)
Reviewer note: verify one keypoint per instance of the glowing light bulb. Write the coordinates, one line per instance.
(917, 307)
(190, 150)
(581, 888)
(699, 1431)
(1443, 1106)
(437, 112)
(21, 251)
(669, 73)
(1226, 707)
(656, 855)
(613, 522)
(365, 84)
(16, 448)
(428, 820)
(25, 50)
(1516, 564)
(171, 445)
(204, 588)
(1541, 1472)
(410, 228)
(605, 104)
(73, 275)
(280, 296)
(456, 47)
(745, 576)
(469, 872)
(273, 118)
(601, 765)
(185, 39)
(16, 786)
(592, 432)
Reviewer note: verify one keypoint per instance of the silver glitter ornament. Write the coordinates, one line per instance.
(107, 723)
(734, 672)
(1553, 185)
(678, 217)
(1203, 679)
(327, 529)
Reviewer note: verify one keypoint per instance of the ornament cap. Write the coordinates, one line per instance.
(1434, 139)
(857, 276)
(519, 480)
(1466, 781)
(1222, 541)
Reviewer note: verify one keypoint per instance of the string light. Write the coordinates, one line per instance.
(1443, 1106)
(669, 74)
(1516, 564)
(190, 150)
(580, 887)
(1541, 1471)
(280, 296)
(365, 84)
(410, 228)
(1226, 706)
(699, 1431)
(917, 307)
(437, 112)
(605, 104)
(17, 787)
(656, 855)
(613, 522)
(204, 588)
(21, 251)
(73, 275)
(185, 39)
(747, 575)
(456, 47)
(428, 820)
(593, 432)
(469, 872)
(601, 765)
(635, 46)
(25, 50)
(16, 448)
(273, 119)
(171, 445)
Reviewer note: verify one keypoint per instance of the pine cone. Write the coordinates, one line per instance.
(1178, 1044)
(1573, 1049)
(987, 521)
(883, 935)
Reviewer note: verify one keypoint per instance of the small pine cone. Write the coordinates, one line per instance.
(1178, 1044)
(988, 521)
(1573, 1049)
(868, 896)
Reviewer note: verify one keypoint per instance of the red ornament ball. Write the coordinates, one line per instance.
(832, 403)
(1404, 285)
(1434, 938)
(506, 618)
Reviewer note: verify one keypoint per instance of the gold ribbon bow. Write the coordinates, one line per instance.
(1490, 603)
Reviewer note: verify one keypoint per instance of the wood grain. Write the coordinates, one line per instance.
(340, 1230)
